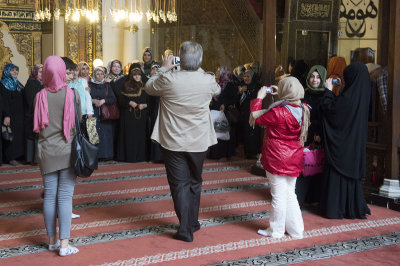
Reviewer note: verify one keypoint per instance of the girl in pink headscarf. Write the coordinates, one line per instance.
(54, 120)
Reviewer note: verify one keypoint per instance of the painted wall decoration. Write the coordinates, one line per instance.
(355, 12)
(9, 52)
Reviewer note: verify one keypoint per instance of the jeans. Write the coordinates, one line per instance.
(58, 192)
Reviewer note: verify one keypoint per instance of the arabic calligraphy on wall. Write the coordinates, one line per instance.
(355, 13)
(314, 10)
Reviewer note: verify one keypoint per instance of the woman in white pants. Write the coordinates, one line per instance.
(286, 123)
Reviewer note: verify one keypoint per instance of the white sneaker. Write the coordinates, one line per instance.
(56, 246)
(74, 216)
(70, 250)
(267, 232)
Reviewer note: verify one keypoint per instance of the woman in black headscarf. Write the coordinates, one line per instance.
(32, 86)
(345, 126)
(299, 71)
(133, 136)
(250, 135)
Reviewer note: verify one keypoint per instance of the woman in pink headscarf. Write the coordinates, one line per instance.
(54, 120)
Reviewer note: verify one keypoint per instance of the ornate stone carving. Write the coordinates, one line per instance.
(5, 53)
(24, 44)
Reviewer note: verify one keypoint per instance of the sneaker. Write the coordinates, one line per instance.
(70, 250)
(267, 232)
(56, 246)
(74, 216)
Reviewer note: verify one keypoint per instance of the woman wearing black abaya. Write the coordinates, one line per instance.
(250, 135)
(345, 124)
(32, 86)
(12, 93)
(133, 137)
(308, 188)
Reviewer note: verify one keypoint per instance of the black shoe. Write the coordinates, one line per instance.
(196, 227)
(182, 238)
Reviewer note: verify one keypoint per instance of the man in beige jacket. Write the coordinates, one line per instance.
(184, 130)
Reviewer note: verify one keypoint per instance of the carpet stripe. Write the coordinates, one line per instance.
(250, 243)
(123, 178)
(131, 200)
(134, 233)
(124, 220)
(319, 251)
(134, 190)
(96, 173)
(36, 169)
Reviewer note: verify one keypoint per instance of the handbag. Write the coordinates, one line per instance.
(6, 133)
(313, 161)
(109, 111)
(232, 114)
(91, 130)
(83, 153)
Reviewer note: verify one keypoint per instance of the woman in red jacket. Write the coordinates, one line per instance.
(286, 123)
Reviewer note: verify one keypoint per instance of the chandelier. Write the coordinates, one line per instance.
(43, 11)
(88, 9)
(80, 8)
(157, 10)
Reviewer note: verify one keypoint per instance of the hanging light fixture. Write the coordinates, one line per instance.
(88, 9)
(43, 11)
(157, 10)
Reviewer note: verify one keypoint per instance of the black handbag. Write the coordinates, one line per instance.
(232, 114)
(83, 153)
(6, 133)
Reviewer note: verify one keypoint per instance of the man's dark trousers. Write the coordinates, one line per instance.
(184, 171)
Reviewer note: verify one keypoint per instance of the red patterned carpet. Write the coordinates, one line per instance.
(127, 218)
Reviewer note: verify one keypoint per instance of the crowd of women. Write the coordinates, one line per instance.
(334, 101)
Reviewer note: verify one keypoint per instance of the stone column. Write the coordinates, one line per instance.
(58, 37)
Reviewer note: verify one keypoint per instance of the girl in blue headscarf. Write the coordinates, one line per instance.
(9, 78)
(13, 113)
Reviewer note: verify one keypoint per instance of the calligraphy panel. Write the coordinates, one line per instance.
(314, 10)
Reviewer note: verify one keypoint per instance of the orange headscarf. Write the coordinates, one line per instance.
(336, 66)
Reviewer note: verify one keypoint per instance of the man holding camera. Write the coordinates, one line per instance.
(184, 130)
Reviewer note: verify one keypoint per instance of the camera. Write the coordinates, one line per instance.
(176, 60)
(335, 81)
(269, 90)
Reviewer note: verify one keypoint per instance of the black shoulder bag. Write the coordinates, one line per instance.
(83, 153)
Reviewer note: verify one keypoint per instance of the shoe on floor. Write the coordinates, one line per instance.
(182, 238)
(70, 250)
(267, 232)
(56, 246)
(74, 216)
(13, 163)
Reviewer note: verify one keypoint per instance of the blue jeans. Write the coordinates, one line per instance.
(58, 192)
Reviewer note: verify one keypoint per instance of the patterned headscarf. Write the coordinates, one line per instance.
(35, 72)
(225, 76)
(238, 72)
(97, 69)
(112, 75)
(9, 81)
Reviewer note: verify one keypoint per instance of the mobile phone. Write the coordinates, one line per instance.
(335, 81)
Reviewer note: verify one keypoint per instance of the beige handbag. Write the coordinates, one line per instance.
(92, 131)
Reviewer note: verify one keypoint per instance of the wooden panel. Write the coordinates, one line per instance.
(394, 87)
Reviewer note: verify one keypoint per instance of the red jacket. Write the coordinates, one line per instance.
(282, 153)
